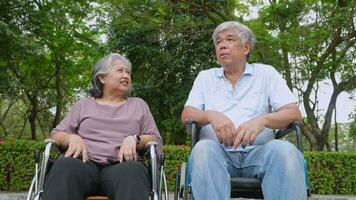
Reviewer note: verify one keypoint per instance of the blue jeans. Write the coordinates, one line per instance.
(277, 163)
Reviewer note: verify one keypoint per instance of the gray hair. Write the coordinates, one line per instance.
(241, 31)
(102, 67)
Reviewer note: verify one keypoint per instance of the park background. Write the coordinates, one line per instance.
(48, 48)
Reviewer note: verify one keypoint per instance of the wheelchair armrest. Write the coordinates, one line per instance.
(193, 131)
(151, 147)
(53, 145)
(50, 145)
(156, 168)
(294, 126)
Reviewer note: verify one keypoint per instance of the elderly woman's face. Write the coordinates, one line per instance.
(118, 79)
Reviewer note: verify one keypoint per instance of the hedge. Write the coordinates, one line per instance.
(332, 172)
(329, 172)
(17, 164)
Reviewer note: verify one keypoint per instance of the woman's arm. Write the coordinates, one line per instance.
(73, 143)
(144, 139)
(62, 139)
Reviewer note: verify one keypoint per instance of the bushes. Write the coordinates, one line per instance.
(174, 156)
(329, 172)
(17, 164)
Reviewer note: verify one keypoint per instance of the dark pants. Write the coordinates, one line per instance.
(71, 179)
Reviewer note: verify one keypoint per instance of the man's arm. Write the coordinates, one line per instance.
(283, 117)
(222, 125)
(189, 112)
(248, 131)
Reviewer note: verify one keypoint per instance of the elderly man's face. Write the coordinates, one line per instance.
(118, 79)
(229, 50)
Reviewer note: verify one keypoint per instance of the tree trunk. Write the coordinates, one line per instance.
(311, 137)
(3, 117)
(59, 97)
(336, 133)
(32, 117)
(23, 126)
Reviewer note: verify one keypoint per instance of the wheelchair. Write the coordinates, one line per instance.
(52, 151)
(241, 187)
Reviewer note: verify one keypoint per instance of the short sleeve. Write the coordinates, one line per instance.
(196, 95)
(70, 122)
(149, 127)
(279, 92)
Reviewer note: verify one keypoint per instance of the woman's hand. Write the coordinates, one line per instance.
(76, 146)
(128, 149)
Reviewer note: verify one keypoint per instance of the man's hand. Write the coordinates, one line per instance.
(76, 146)
(223, 127)
(127, 149)
(248, 131)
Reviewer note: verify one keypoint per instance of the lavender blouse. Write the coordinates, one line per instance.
(103, 127)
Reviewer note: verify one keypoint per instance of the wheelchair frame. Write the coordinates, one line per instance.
(183, 190)
(37, 184)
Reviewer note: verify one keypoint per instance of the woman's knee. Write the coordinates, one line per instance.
(68, 165)
(127, 170)
(133, 167)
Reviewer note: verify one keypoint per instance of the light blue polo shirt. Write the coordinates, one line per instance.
(260, 89)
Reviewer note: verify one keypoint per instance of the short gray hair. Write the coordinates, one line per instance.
(102, 67)
(241, 31)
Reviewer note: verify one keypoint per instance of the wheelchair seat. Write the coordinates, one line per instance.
(97, 198)
(241, 187)
(156, 172)
(246, 187)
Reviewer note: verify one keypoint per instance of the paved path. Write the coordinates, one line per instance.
(22, 196)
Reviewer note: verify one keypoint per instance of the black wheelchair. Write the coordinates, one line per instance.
(52, 151)
(241, 187)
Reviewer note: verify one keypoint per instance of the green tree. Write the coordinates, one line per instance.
(311, 41)
(47, 50)
(346, 141)
(352, 129)
(168, 42)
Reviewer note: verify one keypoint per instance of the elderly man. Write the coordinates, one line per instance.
(238, 105)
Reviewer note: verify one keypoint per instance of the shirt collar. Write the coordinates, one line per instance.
(248, 71)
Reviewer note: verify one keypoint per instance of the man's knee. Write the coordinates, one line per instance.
(207, 154)
(205, 150)
(281, 146)
(284, 151)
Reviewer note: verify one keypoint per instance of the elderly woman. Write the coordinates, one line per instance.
(102, 135)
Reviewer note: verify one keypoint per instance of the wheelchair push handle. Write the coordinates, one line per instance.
(37, 156)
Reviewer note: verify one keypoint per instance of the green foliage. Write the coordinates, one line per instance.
(352, 129)
(174, 156)
(168, 44)
(332, 173)
(329, 173)
(17, 164)
(47, 49)
(346, 141)
(310, 42)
